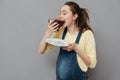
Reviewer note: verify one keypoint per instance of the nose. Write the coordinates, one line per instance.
(60, 17)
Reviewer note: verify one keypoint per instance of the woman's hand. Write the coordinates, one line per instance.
(70, 47)
(52, 27)
(75, 47)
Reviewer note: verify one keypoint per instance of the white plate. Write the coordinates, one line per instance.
(57, 42)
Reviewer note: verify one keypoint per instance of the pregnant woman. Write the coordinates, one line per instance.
(75, 59)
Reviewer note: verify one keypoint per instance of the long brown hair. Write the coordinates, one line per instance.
(83, 17)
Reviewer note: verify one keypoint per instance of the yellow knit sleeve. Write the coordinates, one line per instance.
(90, 48)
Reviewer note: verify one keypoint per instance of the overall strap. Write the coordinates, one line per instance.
(64, 33)
(79, 36)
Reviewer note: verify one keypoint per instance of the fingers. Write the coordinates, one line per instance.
(53, 26)
(64, 48)
(70, 47)
(67, 48)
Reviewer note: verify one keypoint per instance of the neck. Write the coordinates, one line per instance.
(73, 29)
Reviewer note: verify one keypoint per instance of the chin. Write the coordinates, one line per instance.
(64, 26)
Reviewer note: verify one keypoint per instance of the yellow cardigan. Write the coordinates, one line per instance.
(87, 46)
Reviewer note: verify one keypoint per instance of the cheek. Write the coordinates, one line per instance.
(68, 20)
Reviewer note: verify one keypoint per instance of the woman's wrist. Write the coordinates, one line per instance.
(47, 34)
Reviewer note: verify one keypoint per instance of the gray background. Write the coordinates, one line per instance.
(23, 23)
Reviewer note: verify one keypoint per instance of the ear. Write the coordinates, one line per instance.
(75, 16)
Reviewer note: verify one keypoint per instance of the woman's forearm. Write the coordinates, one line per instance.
(43, 44)
(83, 56)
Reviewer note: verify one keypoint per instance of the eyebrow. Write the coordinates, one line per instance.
(62, 10)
